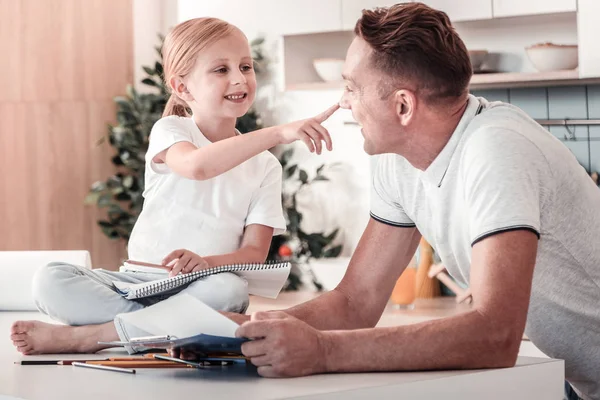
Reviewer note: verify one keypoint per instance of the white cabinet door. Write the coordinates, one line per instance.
(512, 8)
(463, 10)
(243, 14)
(352, 10)
(288, 17)
(588, 30)
(277, 17)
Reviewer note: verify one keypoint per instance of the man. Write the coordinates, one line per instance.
(505, 204)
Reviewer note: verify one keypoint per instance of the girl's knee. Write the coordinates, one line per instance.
(49, 280)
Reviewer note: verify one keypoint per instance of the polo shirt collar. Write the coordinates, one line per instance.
(437, 170)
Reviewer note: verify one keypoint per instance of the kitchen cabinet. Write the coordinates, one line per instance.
(278, 17)
(513, 8)
(299, 17)
(588, 30)
(463, 10)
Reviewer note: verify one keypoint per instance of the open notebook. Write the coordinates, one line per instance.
(264, 280)
(208, 332)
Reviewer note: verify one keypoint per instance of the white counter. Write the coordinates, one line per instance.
(530, 378)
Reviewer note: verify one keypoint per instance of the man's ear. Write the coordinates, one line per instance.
(179, 88)
(406, 102)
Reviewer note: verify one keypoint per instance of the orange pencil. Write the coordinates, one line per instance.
(139, 364)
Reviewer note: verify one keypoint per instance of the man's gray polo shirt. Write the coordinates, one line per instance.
(501, 171)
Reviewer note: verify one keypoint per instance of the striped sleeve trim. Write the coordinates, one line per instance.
(392, 223)
(506, 229)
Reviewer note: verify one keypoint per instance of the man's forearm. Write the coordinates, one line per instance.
(331, 310)
(466, 341)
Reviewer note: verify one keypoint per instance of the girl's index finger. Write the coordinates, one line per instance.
(327, 113)
(175, 254)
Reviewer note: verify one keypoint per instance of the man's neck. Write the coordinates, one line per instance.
(431, 135)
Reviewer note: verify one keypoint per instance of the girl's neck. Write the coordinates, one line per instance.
(215, 129)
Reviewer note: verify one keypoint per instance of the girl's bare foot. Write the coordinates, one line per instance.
(36, 337)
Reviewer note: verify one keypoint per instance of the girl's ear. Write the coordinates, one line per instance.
(179, 88)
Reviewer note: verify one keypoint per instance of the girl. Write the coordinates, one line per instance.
(212, 197)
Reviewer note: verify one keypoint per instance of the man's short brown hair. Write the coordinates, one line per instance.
(416, 45)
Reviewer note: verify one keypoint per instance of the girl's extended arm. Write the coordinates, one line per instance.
(206, 162)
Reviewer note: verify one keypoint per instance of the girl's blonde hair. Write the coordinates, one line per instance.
(180, 51)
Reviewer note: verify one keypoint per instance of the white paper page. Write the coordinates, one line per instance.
(182, 316)
(266, 283)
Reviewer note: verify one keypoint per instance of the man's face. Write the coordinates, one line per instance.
(362, 96)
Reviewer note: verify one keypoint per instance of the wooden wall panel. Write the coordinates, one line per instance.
(77, 55)
(18, 210)
(10, 41)
(108, 41)
(76, 49)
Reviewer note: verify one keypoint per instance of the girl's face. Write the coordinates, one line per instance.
(222, 83)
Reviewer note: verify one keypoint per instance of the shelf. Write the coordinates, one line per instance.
(487, 81)
(528, 79)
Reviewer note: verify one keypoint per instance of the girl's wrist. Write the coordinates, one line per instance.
(277, 133)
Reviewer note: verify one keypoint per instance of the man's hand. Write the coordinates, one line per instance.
(235, 317)
(310, 131)
(185, 262)
(283, 346)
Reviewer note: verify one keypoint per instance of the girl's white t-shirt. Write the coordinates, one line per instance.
(207, 217)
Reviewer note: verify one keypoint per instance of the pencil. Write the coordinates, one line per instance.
(104, 367)
(37, 362)
(53, 362)
(145, 264)
(139, 364)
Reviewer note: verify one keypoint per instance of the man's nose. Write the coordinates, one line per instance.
(344, 103)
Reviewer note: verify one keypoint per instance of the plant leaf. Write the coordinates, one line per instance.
(290, 170)
(150, 82)
(286, 155)
(332, 235)
(333, 252)
(91, 198)
(303, 176)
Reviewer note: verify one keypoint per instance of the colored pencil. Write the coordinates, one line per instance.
(104, 367)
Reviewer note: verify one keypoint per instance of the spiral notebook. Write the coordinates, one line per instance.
(169, 325)
(264, 280)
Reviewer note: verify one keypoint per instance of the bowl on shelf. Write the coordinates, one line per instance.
(552, 57)
(329, 69)
(477, 58)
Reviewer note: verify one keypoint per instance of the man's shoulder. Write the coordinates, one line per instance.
(504, 130)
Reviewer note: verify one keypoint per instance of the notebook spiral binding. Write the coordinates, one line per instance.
(183, 279)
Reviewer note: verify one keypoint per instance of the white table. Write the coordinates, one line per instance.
(531, 378)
